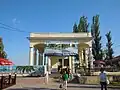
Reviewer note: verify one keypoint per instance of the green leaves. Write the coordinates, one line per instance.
(109, 52)
(82, 26)
(3, 54)
(23, 69)
(75, 29)
(96, 43)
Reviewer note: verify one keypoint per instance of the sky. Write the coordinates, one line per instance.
(53, 16)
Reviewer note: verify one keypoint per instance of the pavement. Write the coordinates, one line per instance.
(34, 84)
(52, 87)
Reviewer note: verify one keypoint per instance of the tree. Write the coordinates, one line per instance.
(75, 29)
(109, 53)
(2, 52)
(83, 24)
(96, 43)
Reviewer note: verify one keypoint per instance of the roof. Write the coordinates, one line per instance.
(115, 59)
(60, 36)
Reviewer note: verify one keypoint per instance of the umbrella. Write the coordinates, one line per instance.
(5, 62)
(99, 62)
(2, 61)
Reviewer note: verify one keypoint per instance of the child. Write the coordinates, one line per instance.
(65, 79)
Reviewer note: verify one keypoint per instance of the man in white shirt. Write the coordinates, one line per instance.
(103, 79)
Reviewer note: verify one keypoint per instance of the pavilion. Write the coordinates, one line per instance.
(38, 52)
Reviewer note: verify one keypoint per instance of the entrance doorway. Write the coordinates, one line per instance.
(60, 64)
(66, 62)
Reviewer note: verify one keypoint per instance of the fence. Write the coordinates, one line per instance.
(116, 78)
(96, 69)
(7, 81)
(7, 69)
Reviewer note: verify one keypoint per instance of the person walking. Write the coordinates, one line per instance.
(103, 79)
(65, 78)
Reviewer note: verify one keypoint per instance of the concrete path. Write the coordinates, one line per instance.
(38, 84)
(50, 87)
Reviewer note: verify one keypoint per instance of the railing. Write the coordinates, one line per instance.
(37, 70)
(96, 69)
(116, 78)
(7, 81)
(7, 69)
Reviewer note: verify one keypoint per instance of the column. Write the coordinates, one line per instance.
(70, 66)
(73, 64)
(49, 65)
(86, 56)
(62, 63)
(35, 56)
(83, 58)
(43, 59)
(79, 54)
(91, 57)
(31, 52)
(39, 58)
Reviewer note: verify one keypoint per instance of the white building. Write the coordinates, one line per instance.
(38, 42)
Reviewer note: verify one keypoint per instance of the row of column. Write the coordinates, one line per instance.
(85, 56)
(36, 57)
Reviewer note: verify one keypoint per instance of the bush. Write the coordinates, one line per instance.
(81, 71)
(81, 80)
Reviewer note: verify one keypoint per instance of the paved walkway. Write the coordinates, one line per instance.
(37, 84)
(49, 87)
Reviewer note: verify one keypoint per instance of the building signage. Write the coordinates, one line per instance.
(61, 42)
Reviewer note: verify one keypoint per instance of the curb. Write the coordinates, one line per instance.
(92, 86)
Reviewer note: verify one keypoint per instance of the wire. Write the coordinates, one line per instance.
(7, 27)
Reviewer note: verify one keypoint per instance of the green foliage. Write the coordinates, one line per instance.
(83, 24)
(109, 52)
(96, 44)
(82, 79)
(75, 29)
(23, 69)
(2, 52)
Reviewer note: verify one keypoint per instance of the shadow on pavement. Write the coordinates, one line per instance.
(81, 87)
(32, 89)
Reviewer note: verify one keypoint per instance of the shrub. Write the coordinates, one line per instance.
(81, 80)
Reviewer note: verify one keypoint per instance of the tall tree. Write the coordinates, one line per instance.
(109, 53)
(2, 52)
(96, 43)
(75, 29)
(83, 24)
